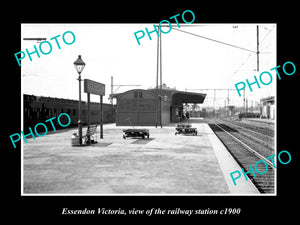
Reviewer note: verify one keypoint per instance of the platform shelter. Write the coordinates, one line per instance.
(152, 107)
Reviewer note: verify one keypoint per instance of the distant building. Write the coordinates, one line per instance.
(268, 108)
(153, 107)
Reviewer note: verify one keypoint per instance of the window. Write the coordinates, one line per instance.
(140, 94)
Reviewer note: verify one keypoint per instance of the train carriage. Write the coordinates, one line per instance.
(39, 108)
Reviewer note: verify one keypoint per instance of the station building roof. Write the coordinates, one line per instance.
(270, 99)
(177, 97)
(188, 97)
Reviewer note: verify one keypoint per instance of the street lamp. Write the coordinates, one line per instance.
(79, 66)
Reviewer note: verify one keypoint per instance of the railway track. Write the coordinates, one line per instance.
(247, 151)
(265, 131)
(259, 136)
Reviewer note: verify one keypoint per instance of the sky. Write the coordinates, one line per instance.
(188, 62)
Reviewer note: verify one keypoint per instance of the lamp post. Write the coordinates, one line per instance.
(79, 66)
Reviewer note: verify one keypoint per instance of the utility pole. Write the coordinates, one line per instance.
(157, 72)
(112, 85)
(160, 92)
(111, 88)
(159, 77)
(160, 60)
(157, 68)
(228, 97)
(257, 47)
(244, 105)
(214, 98)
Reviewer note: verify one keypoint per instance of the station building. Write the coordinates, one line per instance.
(268, 108)
(152, 107)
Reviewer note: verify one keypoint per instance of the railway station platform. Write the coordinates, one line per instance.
(164, 164)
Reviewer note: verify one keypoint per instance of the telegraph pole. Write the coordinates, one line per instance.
(160, 70)
(112, 85)
(244, 100)
(111, 88)
(157, 71)
(257, 47)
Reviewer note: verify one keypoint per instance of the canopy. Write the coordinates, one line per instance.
(180, 97)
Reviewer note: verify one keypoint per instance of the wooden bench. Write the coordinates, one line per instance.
(91, 130)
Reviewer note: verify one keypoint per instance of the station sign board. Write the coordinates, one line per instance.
(94, 87)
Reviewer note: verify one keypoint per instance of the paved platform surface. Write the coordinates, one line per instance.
(164, 164)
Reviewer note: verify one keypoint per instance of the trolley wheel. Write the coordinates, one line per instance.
(143, 136)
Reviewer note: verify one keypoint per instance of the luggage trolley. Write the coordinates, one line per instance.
(185, 129)
(135, 132)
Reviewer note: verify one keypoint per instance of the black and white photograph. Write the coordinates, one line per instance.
(172, 115)
(199, 120)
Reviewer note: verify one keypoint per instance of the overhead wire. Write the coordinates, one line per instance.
(220, 42)
(224, 43)
(267, 33)
(231, 45)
